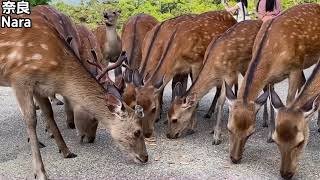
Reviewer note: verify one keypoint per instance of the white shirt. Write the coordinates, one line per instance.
(242, 12)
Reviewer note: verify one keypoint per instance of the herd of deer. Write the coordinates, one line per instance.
(56, 56)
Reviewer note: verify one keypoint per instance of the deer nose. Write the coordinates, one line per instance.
(286, 175)
(234, 160)
(145, 158)
(172, 136)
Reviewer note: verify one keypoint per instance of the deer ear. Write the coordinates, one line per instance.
(261, 100)
(138, 110)
(310, 107)
(128, 75)
(178, 89)
(275, 99)
(230, 96)
(137, 79)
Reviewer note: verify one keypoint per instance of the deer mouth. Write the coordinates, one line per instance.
(108, 23)
(138, 159)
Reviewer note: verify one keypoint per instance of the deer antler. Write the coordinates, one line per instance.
(120, 60)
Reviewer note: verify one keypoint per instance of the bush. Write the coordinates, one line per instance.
(38, 2)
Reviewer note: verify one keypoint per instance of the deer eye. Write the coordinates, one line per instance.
(114, 13)
(174, 120)
(137, 133)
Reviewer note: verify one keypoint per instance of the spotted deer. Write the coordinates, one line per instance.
(133, 33)
(226, 57)
(46, 65)
(283, 48)
(182, 54)
(291, 125)
(152, 48)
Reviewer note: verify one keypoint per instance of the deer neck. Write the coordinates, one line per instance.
(111, 34)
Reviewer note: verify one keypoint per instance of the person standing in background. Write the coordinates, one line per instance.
(268, 9)
(240, 9)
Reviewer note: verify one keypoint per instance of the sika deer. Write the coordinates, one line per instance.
(283, 48)
(31, 70)
(291, 125)
(226, 57)
(183, 54)
(153, 46)
(133, 34)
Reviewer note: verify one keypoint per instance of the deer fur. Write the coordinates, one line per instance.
(133, 33)
(291, 124)
(284, 47)
(226, 57)
(31, 70)
(182, 54)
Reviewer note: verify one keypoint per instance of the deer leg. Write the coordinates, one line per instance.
(69, 112)
(55, 100)
(318, 122)
(27, 107)
(183, 78)
(47, 112)
(86, 125)
(217, 128)
(296, 81)
(214, 102)
(265, 111)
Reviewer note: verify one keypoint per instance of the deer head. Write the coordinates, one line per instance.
(180, 113)
(148, 96)
(291, 131)
(111, 17)
(241, 122)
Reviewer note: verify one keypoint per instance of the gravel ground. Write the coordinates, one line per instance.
(191, 157)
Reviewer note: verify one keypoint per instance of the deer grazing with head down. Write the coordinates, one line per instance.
(182, 54)
(226, 57)
(46, 65)
(291, 125)
(133, 33)
(283, 48)
(152, 48)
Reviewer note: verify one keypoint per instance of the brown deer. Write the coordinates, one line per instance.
(183, 54)
(46, 65)
(291, 125)
(133, 33)
(226, 57)
(283, 48)
(152, 48)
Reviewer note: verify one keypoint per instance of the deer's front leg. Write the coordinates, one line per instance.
(69, 112)
(217, 128)
(47, 112)
(214, 103)
(27, 107)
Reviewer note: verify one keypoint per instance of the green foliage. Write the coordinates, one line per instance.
(90, 11)
(38, 2)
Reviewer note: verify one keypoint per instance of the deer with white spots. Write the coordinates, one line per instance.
(283, 48)
(226, 57)
(152, 48)
(133, 34)
(59, 71)
(291, 125)
(183, 53)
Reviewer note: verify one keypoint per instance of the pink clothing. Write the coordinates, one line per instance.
(263, 15)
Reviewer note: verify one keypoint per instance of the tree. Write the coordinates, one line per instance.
(38, 2)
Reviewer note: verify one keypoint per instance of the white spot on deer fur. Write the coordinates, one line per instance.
(4, 44)
(19, 44)
(30, 44)
(44, 46)
(36, 57)
(54, 63)
(2, 57)
(12, 55)
(34, 67)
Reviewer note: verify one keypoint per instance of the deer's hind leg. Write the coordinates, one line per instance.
(47, 112)
(24, 97)
(69, 113)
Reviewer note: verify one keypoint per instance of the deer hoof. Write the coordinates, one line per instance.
(190, 131)
(71, 125)
(216, 141)
(319, 130)
(91, 139)
(37, 107)
(265, 124)
(165, 122)
(207, 116)
(59, 103)
(71, 155)
(157, 120)
(270, 140)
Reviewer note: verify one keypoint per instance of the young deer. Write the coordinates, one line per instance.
(183, 54)
(152, 48)
(133, 34)
(27, 65)
(283, 48)
(226, 57)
